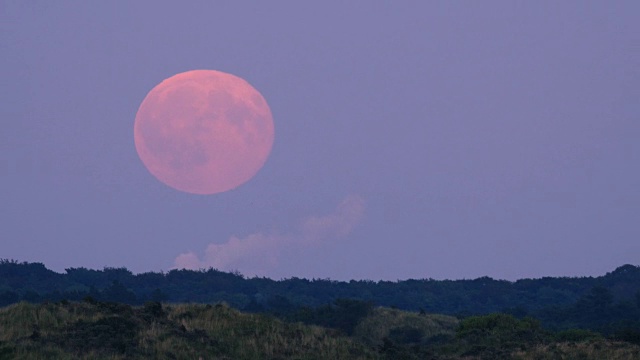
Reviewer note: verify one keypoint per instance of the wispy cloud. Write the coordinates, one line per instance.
(262, 254)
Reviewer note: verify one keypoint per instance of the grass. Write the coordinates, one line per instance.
(108, 331)
(187, 331)
(596, 349)
(403, 327)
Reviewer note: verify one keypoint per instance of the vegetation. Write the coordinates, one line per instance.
(114, 314)
(384, 325)
(34, 282)
(116, 331)
(100, 330)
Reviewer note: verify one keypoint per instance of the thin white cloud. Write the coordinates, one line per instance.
(262, 254)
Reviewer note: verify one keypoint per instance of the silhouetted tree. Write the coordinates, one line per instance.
(119, 293)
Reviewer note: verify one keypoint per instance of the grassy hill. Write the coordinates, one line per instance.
(100, 330)
(114, 331)
(403, 327)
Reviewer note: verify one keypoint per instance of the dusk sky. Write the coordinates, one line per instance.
(413, 139)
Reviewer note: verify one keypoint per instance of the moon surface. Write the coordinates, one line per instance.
(203, 131)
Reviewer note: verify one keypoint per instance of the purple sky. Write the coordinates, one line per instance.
(413, 139)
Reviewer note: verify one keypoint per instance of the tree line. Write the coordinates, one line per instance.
(605, 304)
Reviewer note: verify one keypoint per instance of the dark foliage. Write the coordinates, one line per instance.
(114, 334)
(631, 335)
(343, 314)
(604, 304)
(105, 330)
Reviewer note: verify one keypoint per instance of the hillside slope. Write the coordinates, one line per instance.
(98, 330)
(115, 331)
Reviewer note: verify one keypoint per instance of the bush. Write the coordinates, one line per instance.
(153, 309)
(576, 335)
(113, 334)
(629, 335)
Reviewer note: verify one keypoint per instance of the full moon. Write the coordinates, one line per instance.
(203, 131)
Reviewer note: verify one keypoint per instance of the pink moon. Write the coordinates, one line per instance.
(203, 131)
